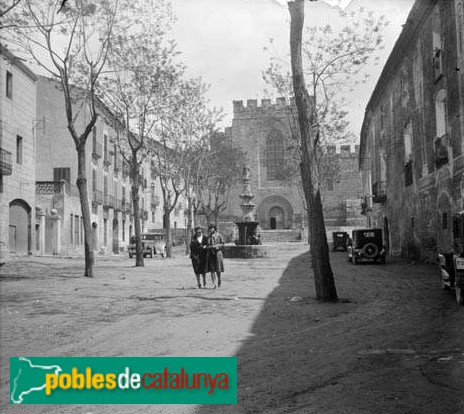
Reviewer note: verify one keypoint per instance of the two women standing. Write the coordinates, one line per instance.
(206, 255)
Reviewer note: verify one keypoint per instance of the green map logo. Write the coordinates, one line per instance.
(123, 380)
(28, 378)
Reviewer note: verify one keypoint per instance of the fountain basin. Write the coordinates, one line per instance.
(232, 251)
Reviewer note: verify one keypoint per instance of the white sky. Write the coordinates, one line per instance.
(223, 40)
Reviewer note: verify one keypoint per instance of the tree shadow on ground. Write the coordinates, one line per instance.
(307, 356)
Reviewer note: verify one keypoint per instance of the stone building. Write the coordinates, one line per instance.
(17, 156)
(262, 132)
(411, 153)
(107, 175)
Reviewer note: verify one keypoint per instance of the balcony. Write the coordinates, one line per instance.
(379, 192)
(408, 174)
(97, 151)
(441, 151)
(97, 197)
(6, 163)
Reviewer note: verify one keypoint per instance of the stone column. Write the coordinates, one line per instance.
(40, 218)
(55, 220)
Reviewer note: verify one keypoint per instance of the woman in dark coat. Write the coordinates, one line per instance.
(215, 262)
(198, 255)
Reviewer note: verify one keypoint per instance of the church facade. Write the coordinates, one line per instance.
(262, 131)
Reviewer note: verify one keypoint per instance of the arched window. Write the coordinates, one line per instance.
(407, 137)
(275, 152)
(440, 113)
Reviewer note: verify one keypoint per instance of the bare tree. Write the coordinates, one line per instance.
(142, 75)
(220, 172)
(7, 7)
(332, 59)
(64, 46)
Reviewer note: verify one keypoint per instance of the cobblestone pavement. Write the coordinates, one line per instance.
(394, 343)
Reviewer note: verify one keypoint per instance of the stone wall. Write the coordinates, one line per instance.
(17, 190)
(414, 149)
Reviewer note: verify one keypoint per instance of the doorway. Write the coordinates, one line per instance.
(115, 236)
(276, 218)
(19, 227)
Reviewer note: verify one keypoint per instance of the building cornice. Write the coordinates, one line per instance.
(16, 61)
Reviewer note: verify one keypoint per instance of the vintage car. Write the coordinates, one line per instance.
(451, 271)
(366, 244)
(340, 239)
(152, 243)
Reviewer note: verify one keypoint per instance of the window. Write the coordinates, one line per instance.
(105, 231)
(105, 188)
(124, 230)
(444, 220)
(436, 43)
(94, 139)
(19, 149)
(76, 229)
(71, 229)
(330, 184)
(441, 113)
(9, 85)
(275, 153)
(94, 181)
(62, 174)
(418, 76)
(407, 138)
(105, 148)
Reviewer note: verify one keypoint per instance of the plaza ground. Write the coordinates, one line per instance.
(394, 343)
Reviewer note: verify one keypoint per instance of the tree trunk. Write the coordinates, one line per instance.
(320, 263)
(189, 225)
(167, 228)
(139, 262)
(81, 183)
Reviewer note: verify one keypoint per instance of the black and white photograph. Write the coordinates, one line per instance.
(238, 206)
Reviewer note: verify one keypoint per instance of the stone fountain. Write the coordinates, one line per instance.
(247, 226)
(248, 245)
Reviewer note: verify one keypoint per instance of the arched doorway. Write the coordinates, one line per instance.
(115, 236)
(94, 235)
(276, 218)
(275, 212)
(20, 227)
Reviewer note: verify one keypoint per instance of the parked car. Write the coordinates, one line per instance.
(366, 244)
(340, 240)
(152, 243)
(451, 271)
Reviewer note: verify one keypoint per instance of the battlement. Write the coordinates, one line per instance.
(253, 104)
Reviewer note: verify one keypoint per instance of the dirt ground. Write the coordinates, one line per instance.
(394, 343)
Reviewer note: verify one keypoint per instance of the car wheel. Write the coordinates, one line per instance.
(459, 295)
(370, 251)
